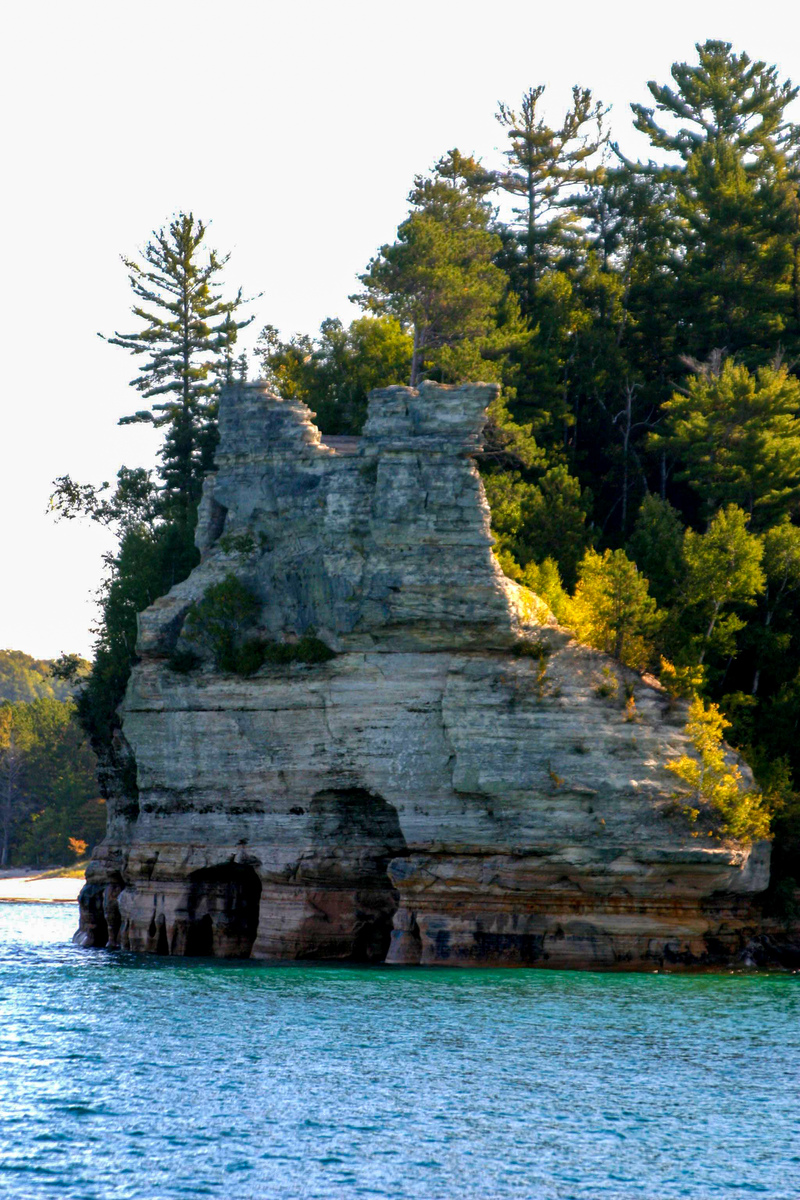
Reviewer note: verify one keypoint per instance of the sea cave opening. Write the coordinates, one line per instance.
(355, 834)
(223, 908)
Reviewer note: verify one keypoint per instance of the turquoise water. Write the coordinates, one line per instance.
(125, 1076)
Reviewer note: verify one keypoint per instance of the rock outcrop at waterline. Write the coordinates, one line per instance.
(427, 795)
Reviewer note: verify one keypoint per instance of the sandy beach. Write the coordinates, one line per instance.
(38, 887)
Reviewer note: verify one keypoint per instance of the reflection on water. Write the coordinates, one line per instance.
(148, 1078)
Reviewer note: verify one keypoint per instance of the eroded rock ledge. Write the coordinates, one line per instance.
(428, 795)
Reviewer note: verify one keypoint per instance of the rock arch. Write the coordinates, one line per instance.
(222, 906)
(340, 902)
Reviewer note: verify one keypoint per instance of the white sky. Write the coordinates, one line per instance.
(296, 130)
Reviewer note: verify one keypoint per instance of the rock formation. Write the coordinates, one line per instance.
(429, 794)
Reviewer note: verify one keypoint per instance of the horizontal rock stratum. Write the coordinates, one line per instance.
(427, 795)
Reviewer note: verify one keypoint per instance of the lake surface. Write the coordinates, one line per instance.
(125, 1076)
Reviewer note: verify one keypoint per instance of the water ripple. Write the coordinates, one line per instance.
(131, 1078)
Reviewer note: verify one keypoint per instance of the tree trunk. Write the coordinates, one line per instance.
(757, 672)
(709, 632)
(415, 357)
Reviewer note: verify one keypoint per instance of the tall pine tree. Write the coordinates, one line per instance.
(545, 166)
(737, 197)
(186, 339)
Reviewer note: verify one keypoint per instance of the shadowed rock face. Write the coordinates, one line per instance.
(426, 796)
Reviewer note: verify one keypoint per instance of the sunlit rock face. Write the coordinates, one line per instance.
(428, 795)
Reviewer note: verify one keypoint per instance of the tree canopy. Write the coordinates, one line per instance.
(642, 461)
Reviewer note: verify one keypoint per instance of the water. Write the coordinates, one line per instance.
(125, 1076)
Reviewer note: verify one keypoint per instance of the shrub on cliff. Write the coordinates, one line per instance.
(260, 652)
(715, 786)
(218, 621)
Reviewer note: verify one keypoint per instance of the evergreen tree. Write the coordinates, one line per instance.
(537, 521)
(439, 278)
(736, 436)
(770, 638)
(555, 521)
(737, 198)
(186, 339)
(656, 546)
(545, 166)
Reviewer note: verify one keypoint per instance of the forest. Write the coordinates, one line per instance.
(50, 809)
(642, 462)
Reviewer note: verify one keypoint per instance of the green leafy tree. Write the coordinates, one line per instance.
(48, 793)
(656, 546)
(23, 678)
(736, 437)
(152, 555)
(715, 783)
(536, 521)
(14, 800)
(612, 609)
(335, 373)
(439, 278)
(545, 580)
(723, 568)
(186, 338)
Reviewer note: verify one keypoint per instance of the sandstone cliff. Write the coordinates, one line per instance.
(427, 795)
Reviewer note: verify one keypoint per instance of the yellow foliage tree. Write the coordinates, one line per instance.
(716, 786)
(612, 609)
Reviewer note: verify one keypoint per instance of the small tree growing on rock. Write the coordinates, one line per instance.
(716, 787)
(612, 609)
(723, 568)
(218, 621)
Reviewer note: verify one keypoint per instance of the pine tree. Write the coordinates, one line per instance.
(187, 335)
(736, 436)
(656, 546)
(782, 570)
(439, 278)
(737, 198)
(545, 166)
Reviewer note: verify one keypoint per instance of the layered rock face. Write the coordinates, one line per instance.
(429, 795)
